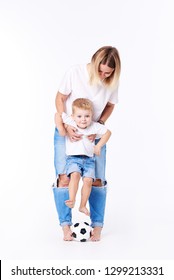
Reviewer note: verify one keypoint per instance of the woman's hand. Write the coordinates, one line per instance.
(72, 133)
(91, 137)
(97, 150)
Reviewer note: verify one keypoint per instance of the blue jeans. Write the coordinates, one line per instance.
(97, 197)
(81, 164)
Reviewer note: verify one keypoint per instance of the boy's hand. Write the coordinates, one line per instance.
(91, 137)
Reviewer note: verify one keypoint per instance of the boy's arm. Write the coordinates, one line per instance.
(59, 124)
(103, 140)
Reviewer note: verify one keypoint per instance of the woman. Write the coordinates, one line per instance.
(97, 81)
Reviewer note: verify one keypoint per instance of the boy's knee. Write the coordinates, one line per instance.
(75, 175)
(87, 181)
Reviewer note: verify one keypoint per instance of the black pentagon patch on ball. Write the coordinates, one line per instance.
(83, 231)
(83, 240)
(76, 225)
(74, 235)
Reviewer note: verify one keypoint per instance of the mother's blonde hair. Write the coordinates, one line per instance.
(109, 56)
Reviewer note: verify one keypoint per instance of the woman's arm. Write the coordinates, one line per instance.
(103, 118)
(107, 112)
(59, 124)
(60, 102)
(60, 106)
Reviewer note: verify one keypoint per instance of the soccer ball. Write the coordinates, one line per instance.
(81, 231)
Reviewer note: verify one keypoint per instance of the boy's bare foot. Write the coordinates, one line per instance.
(69, 203)
(84, 210)
(96, 234)
(67, 233)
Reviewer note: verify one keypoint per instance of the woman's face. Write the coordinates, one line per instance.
(105, 71)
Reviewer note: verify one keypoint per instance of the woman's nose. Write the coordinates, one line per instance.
(102, 75)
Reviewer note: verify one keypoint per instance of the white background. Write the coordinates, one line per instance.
(40, 39)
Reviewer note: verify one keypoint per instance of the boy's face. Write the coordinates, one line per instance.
(82, 117)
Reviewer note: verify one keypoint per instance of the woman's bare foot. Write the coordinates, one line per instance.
(69, 203)
(84, 210)
(67, 233)
(96, 234)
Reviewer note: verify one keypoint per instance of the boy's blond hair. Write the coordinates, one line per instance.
(82, 103)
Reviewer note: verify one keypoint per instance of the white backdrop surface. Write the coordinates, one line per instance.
(39, 41)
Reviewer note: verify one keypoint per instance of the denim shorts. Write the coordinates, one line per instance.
(82, 164)
(60, 158)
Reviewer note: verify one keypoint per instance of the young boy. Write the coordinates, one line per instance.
(80, 154)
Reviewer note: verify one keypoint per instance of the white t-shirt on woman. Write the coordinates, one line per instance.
(75, 83)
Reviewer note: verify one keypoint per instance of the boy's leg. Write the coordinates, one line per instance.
(73, 187)
(85, 193)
